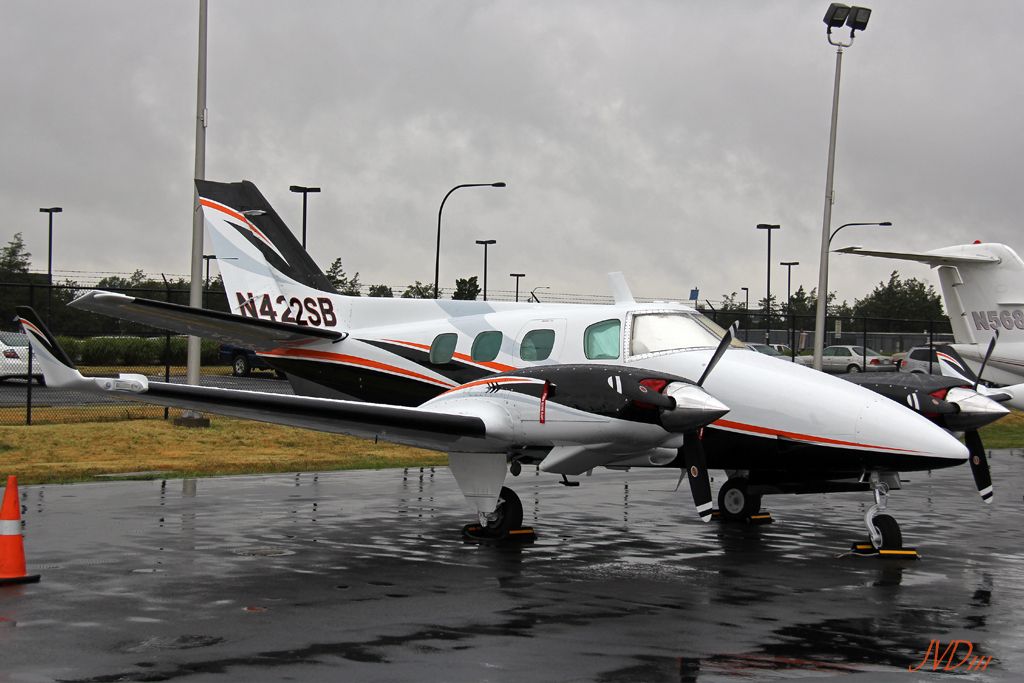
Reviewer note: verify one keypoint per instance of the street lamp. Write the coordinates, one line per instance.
(856, 18)
(746, 312)
(486, 244)
(49, 258)
(789, 303)
(305, 191)
(517, 276)
(533, 292)
(819, 318)
(437, 256)
(768, 295)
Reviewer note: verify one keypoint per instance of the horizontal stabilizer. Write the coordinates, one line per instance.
(252, 333)
(931, 258)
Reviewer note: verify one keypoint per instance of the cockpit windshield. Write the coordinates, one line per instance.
(657, 332)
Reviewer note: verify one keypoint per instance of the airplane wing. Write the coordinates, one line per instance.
(931, 258)
(253, 333)
(411, 426)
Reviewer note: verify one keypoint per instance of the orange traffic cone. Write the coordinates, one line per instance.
(12, 549)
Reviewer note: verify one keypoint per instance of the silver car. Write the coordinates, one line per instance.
(916, 360)
(850, 359)
(14, 357)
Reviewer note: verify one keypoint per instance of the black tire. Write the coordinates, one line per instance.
(509, 513)
(853, 368)
(240, 366)
(892, 537)
(735, 504)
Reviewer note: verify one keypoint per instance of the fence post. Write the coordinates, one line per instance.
(28, 369)
(931, 344)
(167, 349)
(864, 341)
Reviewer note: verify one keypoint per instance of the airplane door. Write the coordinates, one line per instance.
(540, 341)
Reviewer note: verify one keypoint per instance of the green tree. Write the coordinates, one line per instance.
(342, 282)
(466, 289)
(419, 290)
(381, 291)
(14, 260)
(909, 299)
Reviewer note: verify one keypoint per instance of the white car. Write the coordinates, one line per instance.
(14, 357)
(916, 360)
(850, 359)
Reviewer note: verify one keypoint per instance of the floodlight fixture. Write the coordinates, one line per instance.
(858, 19)
(836, 15)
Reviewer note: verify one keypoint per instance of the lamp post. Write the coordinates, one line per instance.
(485, 243)
(49, 258)
(517, 276)
(746, 311)
(305, 191)
(437, 256)
(768, 295)
(856, 18)
(789, 303)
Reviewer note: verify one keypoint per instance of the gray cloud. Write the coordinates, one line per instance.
(649, 137)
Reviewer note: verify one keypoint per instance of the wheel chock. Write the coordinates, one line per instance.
(866, 549)
(755, 519)
(474, 533)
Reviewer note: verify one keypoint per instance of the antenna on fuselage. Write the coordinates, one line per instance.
(620, 290)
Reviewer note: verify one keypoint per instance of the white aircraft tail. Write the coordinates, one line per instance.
(982, 287)
(267, 274)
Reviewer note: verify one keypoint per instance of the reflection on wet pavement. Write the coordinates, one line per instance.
(363, 576)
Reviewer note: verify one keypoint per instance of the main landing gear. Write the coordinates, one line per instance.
(737, 504)
(499, 510)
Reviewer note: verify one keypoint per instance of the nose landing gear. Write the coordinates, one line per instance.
(884, 533)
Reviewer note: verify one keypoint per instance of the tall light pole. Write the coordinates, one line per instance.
(305, 193)
(823, 281)
(437, 256)
(49, 258)
(746, 311)
(517, 276)
(856, 18)
(768, 295)
(789, 302)
(486, 244)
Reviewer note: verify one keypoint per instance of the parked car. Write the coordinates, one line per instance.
(14, 358)
(244, 361)
(782, 348)
(845, 358)
(916, 360)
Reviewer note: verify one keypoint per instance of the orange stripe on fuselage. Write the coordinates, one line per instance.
(309, 354)
(497, 367)
(768, 431)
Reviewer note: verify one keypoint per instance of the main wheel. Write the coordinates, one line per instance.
(240, 366)
(509, 514)
(735, 503)
(892, 537)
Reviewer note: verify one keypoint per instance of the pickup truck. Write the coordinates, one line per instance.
(244, 361)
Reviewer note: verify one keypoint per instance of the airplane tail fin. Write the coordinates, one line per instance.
(256, 252)
(58, 368)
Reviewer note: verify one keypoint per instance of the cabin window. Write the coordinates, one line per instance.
(443, 348)
(655, 332)
(537, 345)
(486, 346)
(601, 340)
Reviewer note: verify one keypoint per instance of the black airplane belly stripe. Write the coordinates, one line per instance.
(455, 370)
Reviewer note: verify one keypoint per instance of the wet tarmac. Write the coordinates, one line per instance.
(362, 576)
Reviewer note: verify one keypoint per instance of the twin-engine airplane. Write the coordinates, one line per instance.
(501, 385)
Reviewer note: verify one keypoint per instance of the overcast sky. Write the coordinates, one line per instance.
(647, 137)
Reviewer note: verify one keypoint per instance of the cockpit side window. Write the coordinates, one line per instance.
(656, 332)
(601, 340)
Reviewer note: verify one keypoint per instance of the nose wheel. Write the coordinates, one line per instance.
(884, 533)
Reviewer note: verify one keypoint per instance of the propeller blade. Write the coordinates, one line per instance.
(695, 460)
(722, 346)
(988, 354)
(979, 464)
